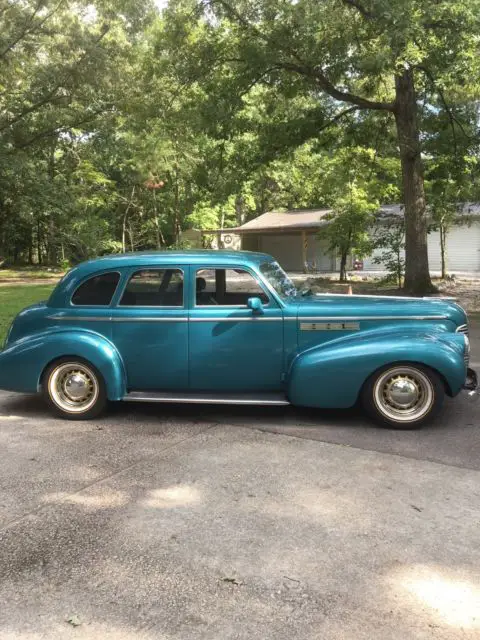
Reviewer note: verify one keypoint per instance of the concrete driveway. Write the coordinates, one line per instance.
(182, 522)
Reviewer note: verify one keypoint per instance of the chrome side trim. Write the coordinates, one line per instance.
(369, 295)
(148, 319)
(234, 319)
(81, 318)
(357, 318)
(268, 400)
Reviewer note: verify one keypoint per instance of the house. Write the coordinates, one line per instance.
(292, 238)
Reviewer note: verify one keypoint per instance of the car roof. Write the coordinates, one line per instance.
(205, 258)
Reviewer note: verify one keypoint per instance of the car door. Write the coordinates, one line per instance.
(231, 348)
(150, 328)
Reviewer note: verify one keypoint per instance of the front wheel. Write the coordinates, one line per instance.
(403, 396)
(74, 389)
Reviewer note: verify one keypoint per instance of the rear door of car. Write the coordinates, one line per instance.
(150, 327)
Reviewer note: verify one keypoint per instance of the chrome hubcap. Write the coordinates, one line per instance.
(403, 394)
(73, 387)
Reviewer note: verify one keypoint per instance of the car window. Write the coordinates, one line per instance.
(97, 291)
(154, 288)
(226, 287)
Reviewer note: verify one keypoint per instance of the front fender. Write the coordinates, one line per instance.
(23, 361)
(332, 374)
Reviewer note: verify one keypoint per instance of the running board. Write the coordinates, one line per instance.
(275, 399)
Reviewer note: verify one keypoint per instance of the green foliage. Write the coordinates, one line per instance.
(121, 126)
(349, 225)
(389, 243)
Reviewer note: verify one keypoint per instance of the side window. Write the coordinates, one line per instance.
(154, 288)
(97, 291)
(226, 287)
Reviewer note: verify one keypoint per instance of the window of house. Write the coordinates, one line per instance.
(154, 288)
(226, 287)
(97, 291)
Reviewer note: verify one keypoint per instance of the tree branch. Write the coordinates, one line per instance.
(360, 8)
(334, 92)
(302, 68)
(29, 28)
(48, 133)
(451, 116)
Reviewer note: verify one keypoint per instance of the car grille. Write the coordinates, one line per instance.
(463, 328)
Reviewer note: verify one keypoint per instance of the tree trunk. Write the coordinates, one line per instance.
(39, 242)
(443, 249)
(343, 266)
(417, 275)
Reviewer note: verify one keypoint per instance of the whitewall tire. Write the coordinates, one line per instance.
(403, 395)
(74, 389)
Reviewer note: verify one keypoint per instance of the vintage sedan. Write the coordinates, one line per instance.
(230, 327)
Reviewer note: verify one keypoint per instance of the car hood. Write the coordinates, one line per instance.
(389, 307)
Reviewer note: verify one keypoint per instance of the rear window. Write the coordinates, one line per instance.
(97, 291)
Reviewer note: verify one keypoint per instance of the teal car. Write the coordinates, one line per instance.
(231, 327)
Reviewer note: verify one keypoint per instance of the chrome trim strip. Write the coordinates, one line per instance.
(81, 318)
(234, 319)
(148, 319)
(348, 318)
(369, 295)
(112, 319)
(133, 397)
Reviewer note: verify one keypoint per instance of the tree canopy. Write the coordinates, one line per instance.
(122, 124)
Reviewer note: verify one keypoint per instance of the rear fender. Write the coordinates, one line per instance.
(332, 375)
(23, 362)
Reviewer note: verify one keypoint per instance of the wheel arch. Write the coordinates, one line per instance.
(333, 375)
(413, 363)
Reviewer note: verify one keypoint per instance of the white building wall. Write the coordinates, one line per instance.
(463, 250)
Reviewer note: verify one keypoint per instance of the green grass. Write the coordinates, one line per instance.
(14, 298)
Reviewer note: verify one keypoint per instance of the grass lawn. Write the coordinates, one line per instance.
(13, 299)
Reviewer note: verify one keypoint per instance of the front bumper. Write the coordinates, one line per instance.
(471, 382)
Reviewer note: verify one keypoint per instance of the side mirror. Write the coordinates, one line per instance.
(255, 304)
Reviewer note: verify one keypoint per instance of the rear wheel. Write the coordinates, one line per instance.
(403, 396)
(74, 389)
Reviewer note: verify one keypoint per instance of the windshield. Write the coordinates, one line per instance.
(278, 279)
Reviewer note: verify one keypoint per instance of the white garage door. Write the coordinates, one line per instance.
(463, 249)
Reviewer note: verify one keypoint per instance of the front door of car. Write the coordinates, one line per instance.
(231, 347)
(150, 329)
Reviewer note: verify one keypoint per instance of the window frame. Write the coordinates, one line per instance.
(129, 275)
(254, 275)
(90, 277)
